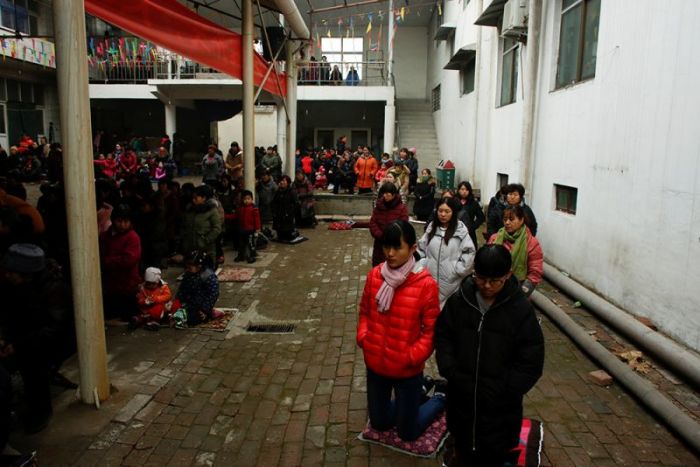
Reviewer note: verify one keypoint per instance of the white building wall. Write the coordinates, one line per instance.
(231, 130)
(627, 139)
(410, 64)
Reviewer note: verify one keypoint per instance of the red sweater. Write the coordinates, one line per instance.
(120, 255)
(248, 218)
(397, 343)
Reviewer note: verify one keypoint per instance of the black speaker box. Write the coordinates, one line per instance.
(276, 35)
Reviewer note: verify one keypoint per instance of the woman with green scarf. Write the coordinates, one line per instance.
(525, 250)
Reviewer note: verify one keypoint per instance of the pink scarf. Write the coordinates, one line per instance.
(393, 278)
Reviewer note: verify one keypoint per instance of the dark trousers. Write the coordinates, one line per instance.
(407, 411)
(246, 245)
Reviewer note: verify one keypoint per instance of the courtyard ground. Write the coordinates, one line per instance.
(232, 398)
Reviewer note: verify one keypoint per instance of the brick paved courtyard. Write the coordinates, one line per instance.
(231, 398)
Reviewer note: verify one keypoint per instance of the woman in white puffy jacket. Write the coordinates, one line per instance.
(447, 249)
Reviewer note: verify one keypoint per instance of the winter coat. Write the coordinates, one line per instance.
(23, 209)
(365, 168)
(284, 205)
(495, 216)
(234, 164)
(152, 302)
(448, 263)
(273, 163)
(198, 292)
(472, 215)
(120, 254)
(212, 167)
(535, 257)
(383, 215)
(265, 193)
(425, 200)
(490, 361)
(396, 343)
(307, 165)
(201, 225)
(248, 218)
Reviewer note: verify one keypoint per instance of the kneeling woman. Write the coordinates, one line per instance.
(528, 261)
(398, 311)
(490, 348)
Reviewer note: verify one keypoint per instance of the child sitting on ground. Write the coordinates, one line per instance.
(154, 299)
(248, 218)
(199, 289)
(321, 179)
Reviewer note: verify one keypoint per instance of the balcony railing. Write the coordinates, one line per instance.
(342, 74)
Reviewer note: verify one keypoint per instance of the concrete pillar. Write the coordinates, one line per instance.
(389, 126)
(390, 46)
(291, 71)
(248, 97)
(170, 120)
(74, 101)
(281, 131)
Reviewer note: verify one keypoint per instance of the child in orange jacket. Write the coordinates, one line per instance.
(154, 299)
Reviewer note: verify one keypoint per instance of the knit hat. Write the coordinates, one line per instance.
(24, 258)
(152, 275)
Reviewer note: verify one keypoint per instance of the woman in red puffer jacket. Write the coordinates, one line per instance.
(398, 311)
(389, 208)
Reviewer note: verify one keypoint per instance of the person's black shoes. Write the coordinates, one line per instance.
(440, 388)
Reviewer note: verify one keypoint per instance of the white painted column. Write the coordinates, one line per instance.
(281, 131)
(390, 47)
(248, 97)
(74, 101)
(389, 126)
(170, 120)
(291, 71)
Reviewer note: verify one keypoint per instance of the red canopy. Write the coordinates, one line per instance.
(173, 26)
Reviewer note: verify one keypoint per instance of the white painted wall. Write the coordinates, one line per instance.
(410, 63)
(231, 130)
(627, 139)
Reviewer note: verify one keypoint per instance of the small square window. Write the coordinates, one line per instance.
(468, 75)
(565, 198)
(501, 180)
(435, 98)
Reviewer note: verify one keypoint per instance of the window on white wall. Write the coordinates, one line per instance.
(14, 15)
(467, 75)
(435, 98)
(578, 41)
(509, 71)
(565, 198)
(346, 52)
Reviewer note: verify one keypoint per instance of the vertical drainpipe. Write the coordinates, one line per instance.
(248, 97)
(530, 94)
(291, 119)
(477, 64)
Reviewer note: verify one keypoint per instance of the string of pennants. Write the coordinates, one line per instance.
(120, 51)
(344, 25)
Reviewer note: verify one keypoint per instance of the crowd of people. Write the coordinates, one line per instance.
(437, 291)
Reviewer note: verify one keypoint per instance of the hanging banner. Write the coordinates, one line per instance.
(36, 51)
(175, 27)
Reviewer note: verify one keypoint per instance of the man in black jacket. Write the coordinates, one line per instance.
(490, 348)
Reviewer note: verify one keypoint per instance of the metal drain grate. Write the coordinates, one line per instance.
(277, 328)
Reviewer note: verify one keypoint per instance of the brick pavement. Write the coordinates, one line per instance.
(199, 398)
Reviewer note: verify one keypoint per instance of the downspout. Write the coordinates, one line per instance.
(293, 18)
(477, 65)
(644, 390)
(534, 24)
(678, 359)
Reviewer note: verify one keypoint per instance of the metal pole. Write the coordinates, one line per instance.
(248, 97)
(390, 45)
(291, 71)
(170, 120)
(74, 102)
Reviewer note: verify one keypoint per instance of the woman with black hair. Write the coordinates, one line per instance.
(490, 348)
(447, 248)
(284, 205)
(470, 210)
(398, 310)
(389, 208)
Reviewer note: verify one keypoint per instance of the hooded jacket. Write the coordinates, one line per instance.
(490, 360)
(448, 263)
(397, 343)
(200, 228)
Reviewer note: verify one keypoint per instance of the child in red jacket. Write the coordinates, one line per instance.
(398, 311)
(154, 299)
(248, 218)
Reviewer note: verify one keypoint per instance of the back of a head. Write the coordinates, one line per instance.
(388, 187)
(492, 261)
(204, 191)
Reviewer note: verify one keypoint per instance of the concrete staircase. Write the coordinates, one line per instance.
(416, 129)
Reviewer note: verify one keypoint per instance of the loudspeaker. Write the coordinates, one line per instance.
(276, 35)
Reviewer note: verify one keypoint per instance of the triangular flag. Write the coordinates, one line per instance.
(402, 13)
(439, 9)
(369, 28)
(328, 33)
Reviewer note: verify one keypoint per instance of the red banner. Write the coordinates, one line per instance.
(173, 26)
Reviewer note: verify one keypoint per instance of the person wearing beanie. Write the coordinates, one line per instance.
(120, 256)
(36, 326)
(202, 223)
(154, 299)
(490, 348)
